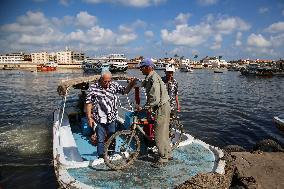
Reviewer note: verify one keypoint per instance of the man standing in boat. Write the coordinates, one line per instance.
(101, 107)
(158, 101)
(172, 88)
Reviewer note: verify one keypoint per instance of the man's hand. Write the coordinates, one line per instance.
(138, 108)
(91, 122)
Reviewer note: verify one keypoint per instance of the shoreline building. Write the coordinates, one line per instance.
(69, 57)
(12, 58)
(40, 58)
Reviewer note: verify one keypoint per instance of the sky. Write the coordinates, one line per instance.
(233, 29)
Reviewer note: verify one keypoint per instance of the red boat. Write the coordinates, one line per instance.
(50, 66)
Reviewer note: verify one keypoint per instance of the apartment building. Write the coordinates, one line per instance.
(69, 57)
(12, 58)
(40, 58)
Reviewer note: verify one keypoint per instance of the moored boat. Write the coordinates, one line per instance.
(117, 62)
(279, 121)
(49, 66)
(94, 66)
(185, 68)
(75, 157)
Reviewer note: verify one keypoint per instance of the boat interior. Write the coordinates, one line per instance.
(76, 159)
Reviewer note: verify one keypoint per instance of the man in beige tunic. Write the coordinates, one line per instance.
(158, 101)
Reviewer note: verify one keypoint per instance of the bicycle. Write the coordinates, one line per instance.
(123, 147)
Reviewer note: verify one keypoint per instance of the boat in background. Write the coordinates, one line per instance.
(49, 66)
(218, 70)
(161, 65)
(279, 121)
(94, 66)
(185, 67)
(111, 62)
(117, 62)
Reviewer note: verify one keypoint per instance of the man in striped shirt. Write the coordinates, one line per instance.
(101, 107)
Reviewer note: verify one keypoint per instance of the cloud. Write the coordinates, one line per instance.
(218, 40)
(127, 28)
(207, 2)
(212, 26)
(276, 27)
(132, 3)
(187, 35)
(182, 18)
(65, 2)
(228, 25)
(34, 31)
(257, 41)
(84, 19)
(278, 40)
(263, 10)
(149, 33)
(238, 41)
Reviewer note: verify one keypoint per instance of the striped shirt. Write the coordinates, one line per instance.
(172, 87)
(104, 101)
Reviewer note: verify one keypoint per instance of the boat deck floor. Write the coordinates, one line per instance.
(188, 161)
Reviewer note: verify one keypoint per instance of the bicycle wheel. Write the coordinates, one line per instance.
(176, 132)
(121, 149)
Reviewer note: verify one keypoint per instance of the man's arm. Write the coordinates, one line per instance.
(130, 85)
(89, 115)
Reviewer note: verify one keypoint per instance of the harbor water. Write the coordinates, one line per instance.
(218, 108)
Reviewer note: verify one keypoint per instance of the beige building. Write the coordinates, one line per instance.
(69, 57)
(40, 58)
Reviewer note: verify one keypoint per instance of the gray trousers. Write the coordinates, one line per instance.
(162, 138)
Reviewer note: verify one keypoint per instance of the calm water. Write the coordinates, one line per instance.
(220, 109)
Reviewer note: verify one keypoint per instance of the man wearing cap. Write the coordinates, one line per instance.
(158, 101)
(172, 87)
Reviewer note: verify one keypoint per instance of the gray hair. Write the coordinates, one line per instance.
(105, 73)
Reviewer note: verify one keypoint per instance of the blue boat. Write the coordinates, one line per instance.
(75, 157)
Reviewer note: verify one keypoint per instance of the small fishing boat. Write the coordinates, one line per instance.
(218, 71)
(185, 68)
(75, 156)
(279, 121)
(49, 66)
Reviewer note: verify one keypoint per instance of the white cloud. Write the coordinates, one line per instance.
(278, 40)
(133, 3)
(84, 19)
(238, 41)
(32, 18)
(263, 10)
(65, 2)
(149, 33)
(34, 31)
(218, 40)
(198, 34)
(228, 25)
(186, 35)
(125, 38)
(257, 41)
(276, 27)
(207, 2)
(182, 18)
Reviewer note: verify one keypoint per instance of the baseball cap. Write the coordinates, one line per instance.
(170, 68)
(147, 62)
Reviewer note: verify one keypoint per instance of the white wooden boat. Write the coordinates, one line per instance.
(75, 159)
(185, 68)
(279, 121)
